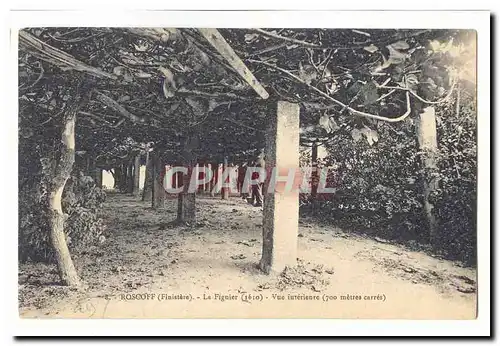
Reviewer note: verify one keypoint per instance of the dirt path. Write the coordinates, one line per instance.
(144, 253)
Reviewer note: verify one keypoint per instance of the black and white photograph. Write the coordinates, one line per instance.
(258, 172)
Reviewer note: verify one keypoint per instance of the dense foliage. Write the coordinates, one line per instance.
(379, 185)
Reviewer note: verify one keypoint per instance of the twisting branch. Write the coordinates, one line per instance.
(352, 110)
(288, 39)
(362, 45)
(414, 94)
(200, 93)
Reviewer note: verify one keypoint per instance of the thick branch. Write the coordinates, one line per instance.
(352, 110)
(108, 101)
(57, 57)
(101, 119)
(381, 41)
(443, 99)
(214, 37)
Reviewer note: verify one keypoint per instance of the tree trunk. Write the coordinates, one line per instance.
(93, 171)
(215, 176)
(147, 192)
(130, 177)
(314, 175)
(119, 177)
(314, 178)
(175, 180)
(91, 167)
(427, 141)
(123, 180)
(63, 166)
(137, 174)
(158, 196)
(225, 190)
(114, 173)
(206, 186)
(178, 180)
(98, 177)
(186, 202)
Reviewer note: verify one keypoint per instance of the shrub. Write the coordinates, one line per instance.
(81, 203)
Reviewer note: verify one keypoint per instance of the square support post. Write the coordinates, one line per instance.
(281, 208)
(426, 129)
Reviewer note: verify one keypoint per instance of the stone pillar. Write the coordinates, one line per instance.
(427, 142)
(281, 208)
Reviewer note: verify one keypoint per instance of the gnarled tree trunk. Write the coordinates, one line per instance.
(62, 164)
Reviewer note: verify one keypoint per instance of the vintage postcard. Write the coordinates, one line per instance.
(264, 171)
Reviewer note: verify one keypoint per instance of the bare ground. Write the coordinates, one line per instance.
(146, 252)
